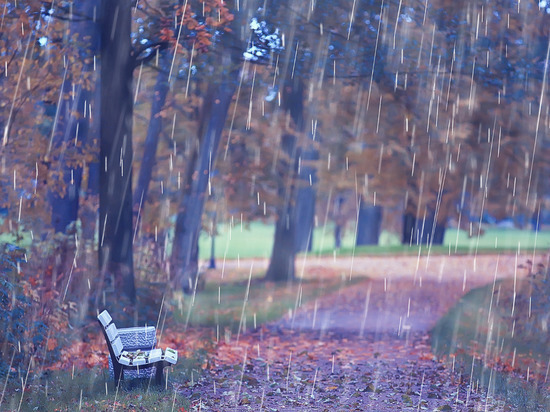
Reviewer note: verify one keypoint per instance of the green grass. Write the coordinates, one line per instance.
(23, 241)
(93, 390)
(483, 317)
(90, 390)
(480, 329)
(256, 240)
(228, 309)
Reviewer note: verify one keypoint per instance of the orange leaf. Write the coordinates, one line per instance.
(52, 343)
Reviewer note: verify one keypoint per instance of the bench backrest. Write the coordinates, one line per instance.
(111, 335)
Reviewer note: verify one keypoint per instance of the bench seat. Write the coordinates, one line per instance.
(137, 338)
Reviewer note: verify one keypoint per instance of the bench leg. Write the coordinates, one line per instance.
(119, 374)
(158, 374)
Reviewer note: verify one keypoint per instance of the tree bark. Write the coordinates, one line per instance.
(305, 202)
(184, 259)
(153, 132)
(368, 224)
(339, 221)
(65, 206)
(434, 231)
(409, 227)
(73, 120)
(439, 234)
(422, 231)
(281, 264)
(116, 157)
(305, 216)
(305, 193)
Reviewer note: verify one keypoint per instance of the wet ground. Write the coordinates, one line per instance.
(364, 347)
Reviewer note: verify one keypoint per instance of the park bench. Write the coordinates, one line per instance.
(132, 350)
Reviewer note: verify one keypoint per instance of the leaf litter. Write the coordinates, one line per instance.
(325, 356)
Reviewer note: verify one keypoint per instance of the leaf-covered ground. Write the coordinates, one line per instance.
(365, 346)
(281, 369)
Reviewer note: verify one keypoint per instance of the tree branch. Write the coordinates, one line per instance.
(156, 46)
(48, 5)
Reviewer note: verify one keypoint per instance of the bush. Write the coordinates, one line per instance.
(33, 315)
(15, 305)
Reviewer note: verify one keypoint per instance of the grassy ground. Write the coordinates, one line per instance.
(228, 308)
(91, 390)
(256, 240)
(232, 307)
(496, 334)
(482, 322)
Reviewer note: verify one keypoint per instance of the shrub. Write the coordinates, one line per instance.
(15, 305)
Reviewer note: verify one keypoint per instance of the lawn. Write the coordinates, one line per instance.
(256, 241)
(232, 308)
(91, 390)
(497, 336)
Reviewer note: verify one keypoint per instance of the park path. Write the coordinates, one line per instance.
(402, 294)
(475, 270)
(364, 347)
(399, 294)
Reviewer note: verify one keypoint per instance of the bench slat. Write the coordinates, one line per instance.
(117, 346)
(124, 359)
(171, 356)
(155, 355)
(111, 332)
(105, 318)
(139, 361)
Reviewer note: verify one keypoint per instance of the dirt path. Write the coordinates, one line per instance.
(473, 270)
(402, 293)
(363, 348)
(397, 306)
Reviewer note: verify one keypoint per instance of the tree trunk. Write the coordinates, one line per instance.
(425, 230)
(184, 259)
(305, 215)
(368, 224)
(212, 263)
(339, 221)
(65, 206)
(439, 234)
(305, 202)
(73, 119)
(116, 157)
(434, 231)
(305, 194)
(153, 132)
(281, 264)
(409, 227)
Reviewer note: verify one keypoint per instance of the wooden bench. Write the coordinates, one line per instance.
(127, 357)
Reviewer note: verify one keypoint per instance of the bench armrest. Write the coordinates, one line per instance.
(141, 337)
